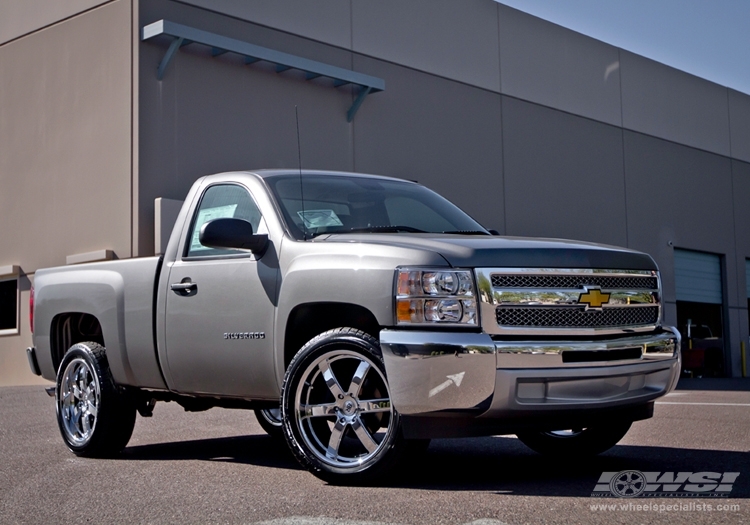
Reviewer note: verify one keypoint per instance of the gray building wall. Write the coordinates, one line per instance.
(532, 128)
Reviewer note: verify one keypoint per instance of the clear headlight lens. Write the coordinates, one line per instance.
(435, 296)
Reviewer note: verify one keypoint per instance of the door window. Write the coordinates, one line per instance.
(220, 202)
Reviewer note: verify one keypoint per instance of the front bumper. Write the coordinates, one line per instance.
(450, 373)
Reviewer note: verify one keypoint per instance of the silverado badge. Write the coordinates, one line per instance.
(593, 298)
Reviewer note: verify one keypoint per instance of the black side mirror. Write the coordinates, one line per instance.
(494, 232)
(232, 233)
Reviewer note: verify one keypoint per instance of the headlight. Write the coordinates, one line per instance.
(435, 296)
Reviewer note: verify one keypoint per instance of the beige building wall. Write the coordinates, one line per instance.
(21, 17)
(66, 138)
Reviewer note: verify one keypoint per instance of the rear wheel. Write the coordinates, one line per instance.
(336, 409)
(95, 419)
(576, 442)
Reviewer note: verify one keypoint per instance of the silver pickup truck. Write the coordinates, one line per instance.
(359, 316)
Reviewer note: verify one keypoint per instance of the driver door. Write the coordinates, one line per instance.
(220, 307)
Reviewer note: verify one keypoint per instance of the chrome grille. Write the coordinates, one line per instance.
(568, 301)
(573, 317)
(574, 281)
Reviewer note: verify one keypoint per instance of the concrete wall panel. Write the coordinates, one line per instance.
(444, 134)
(563, 175)
(553, 66)
(328, 21)
(739, 124)
(65, 138)
(678, 195)
(671, 104)
(457, 40)
(21, 17)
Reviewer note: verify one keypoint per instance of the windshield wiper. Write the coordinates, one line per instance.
(385, 229)
(467, 232)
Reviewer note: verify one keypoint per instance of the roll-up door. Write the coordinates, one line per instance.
(697, 277)
(698, 288)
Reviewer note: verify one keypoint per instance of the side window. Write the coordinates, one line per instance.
(9, 306)
(219, 202)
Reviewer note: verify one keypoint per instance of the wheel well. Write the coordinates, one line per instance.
(308, 320)
(71, 328)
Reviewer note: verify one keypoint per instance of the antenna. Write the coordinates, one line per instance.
(301, 188)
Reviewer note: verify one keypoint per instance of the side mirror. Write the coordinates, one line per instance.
(494, 232)
(232, 233)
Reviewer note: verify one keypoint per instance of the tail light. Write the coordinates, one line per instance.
(31, 310)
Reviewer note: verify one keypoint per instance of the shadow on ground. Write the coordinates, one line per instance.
(502, 465)
(505, 466)
(252, 450)
(713, 384)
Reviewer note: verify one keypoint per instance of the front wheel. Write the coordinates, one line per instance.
(336, 409)
(95, 419)
(576, 442)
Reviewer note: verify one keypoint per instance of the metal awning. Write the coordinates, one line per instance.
(184, 35)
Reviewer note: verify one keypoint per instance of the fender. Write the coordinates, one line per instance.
(96, 292)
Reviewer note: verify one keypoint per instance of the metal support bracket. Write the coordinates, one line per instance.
(357, 102)
(184, 35)
(173, 47)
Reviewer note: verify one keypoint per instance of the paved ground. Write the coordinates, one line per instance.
(218, 467)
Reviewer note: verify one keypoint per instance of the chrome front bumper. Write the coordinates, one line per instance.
(433, 373)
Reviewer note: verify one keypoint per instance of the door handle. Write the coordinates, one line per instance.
(184, 288)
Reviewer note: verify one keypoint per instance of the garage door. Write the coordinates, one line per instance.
(747, 276)
(697, 277)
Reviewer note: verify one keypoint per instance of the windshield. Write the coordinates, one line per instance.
(342, 204)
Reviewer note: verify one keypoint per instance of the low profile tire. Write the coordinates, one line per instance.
(576, 442)
(336, 410)
(95, 419)
(270, 420)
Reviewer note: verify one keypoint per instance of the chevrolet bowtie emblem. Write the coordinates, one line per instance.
(593, 298)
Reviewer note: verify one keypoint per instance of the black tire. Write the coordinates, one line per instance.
(95, 418)
(270, 421)
(334, 424)
(576, 443)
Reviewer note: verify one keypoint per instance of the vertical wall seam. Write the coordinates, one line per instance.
(502, 126)
(622, 142)
(729, 124)
(734, 234)
(133, 30)
(353, 127)
(499, 59)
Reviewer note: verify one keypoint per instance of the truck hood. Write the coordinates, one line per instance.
(508, 252)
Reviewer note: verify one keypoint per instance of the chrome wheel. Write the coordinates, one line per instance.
(578, 441)
(565, 433)
(95, 416)
(79, 396)
(343, 410)
(270, 421)
(272, 416)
